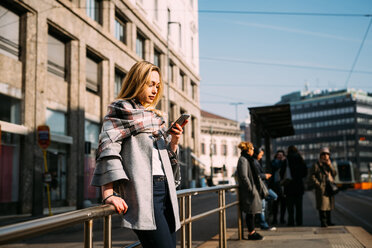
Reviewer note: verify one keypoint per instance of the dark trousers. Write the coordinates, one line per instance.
(249, 218)
(280, 201)
(294, 203)
(164, 235)
(325, 218)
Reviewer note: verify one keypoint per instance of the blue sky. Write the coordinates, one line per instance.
(256, 58)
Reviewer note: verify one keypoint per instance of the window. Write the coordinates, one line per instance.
(9, 33)
(119, 77)
(91, 132)
(140, 46)
(56, 56)
(120, 29)
(214, 149)
(56, 120)
(203, 148)
(181, 81)
(170, 68)
(193, 127)
(192, 90)
(224, 149)
(10, 109)
(93, 72)
(157, 58)
(94, 10)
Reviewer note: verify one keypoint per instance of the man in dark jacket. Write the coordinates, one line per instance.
(292, 180)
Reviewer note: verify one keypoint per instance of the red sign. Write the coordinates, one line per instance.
(43, 136)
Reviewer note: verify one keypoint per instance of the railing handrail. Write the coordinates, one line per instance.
(46, 224)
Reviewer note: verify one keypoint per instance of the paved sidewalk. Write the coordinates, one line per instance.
(304, 237)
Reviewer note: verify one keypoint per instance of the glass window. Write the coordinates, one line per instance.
(94, 9)
(181, 81)
(92, 131)
(140, 46)
(203, 148)
(157, 58)
(170, 68)
(10, 109)
(56, 120)
(119, 77)
(192, 90)
(120, 30)
(92, 73)
(9, 33)
(9, 167)
(56, 56)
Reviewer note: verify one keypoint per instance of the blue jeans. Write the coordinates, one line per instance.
(271, 197)
(162, 237)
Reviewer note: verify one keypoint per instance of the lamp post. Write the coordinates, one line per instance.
(211, 153)
(168, 62)
(236, 109)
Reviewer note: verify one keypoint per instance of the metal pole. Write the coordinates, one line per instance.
(236, 109)
(88, 234)
(220, 219)
(107, 243)
(183, 228)
(224, 218)
(211, 153)
(189, 227)
(240, 223)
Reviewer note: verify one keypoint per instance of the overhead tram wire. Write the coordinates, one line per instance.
(242, 12)
(358, 53)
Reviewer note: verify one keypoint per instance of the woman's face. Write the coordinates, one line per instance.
(150, 89)
(250, 151)
(260, 155)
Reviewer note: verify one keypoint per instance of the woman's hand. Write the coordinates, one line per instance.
(120, 205)
(176, 133)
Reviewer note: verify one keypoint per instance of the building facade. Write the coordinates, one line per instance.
(219, 142)
(61, 63)
(340, 120)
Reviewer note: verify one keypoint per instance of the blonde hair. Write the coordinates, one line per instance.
(245, 146)
(135, 81)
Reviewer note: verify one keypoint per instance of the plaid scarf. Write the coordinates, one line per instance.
(125, 118)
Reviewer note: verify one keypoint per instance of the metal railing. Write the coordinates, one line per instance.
(43, 225)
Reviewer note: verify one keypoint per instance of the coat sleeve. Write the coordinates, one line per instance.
(243, 173)
(313, 176)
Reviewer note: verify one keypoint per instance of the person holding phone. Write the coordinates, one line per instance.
(136, 162)
(322, 171)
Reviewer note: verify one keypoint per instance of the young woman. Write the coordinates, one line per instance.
(249, 188)
(136, 167)
(322, 171)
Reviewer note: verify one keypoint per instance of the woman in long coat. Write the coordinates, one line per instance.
(322, 171)
(249, 188)
(136, 164)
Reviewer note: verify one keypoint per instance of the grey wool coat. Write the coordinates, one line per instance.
(128, 165)
(249, 198)
(318, 180)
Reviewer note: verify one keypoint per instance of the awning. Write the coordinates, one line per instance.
(274, 120)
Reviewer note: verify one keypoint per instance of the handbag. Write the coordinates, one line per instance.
(331, 188)
(264, 192)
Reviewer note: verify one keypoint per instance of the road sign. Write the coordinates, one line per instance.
(43, 136)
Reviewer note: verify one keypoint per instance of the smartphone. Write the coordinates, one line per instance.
(179, 121)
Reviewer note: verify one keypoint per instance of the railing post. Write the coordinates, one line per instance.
(189, 226)
(224, 218)
(220, 244)
(88, 234)
(240, 222)
(107, 232)
(183, 227)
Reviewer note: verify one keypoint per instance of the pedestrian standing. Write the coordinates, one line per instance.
(277, 163)
(294, 187)
(272, 196)
(322, 171)
(136, 167)
(249, 188)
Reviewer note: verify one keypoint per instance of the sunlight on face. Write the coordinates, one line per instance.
(149, 91)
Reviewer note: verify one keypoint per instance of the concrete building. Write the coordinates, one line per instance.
(219, 142)
(61, 63)
(340, 120)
